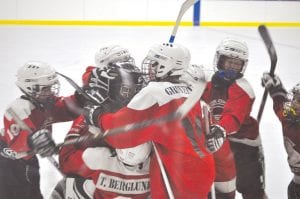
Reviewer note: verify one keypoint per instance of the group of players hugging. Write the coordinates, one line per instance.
(106, 154)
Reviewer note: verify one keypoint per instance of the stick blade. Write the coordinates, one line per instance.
(184, 7)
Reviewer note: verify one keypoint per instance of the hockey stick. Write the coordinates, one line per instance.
(265, 35)
(163, 173)
(77, 88)
(24, 126)
(180, 113)
(184, 7)
(207, 120)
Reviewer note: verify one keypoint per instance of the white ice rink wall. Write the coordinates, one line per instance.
(147, 12)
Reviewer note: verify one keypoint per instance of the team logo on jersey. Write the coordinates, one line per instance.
(9, 153)
(14, 129)
(217, 107)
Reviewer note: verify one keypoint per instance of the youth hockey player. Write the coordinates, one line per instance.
(239, 162)
(108, 173)
(113, 86)
(91, 78)
(39, 107)
(287, 108)
(105, 57)
(180, 145)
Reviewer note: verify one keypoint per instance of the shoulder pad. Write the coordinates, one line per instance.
(21, 107)
(244, 84)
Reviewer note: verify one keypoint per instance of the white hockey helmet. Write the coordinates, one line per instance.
(135, 155)
(165, 60)
(112, 54)
(194, 73)
(38, 80)
(231, 48)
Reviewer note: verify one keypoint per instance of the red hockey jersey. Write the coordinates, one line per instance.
(111, 177)
(291, 135)
(180, 144)
(35, 118)
(231, 109)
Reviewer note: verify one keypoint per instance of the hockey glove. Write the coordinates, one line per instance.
(273, 85)
(97, 86)
(92, 113)
(41, 143)
(215, 138)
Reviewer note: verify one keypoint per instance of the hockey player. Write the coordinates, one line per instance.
(111, 86)
(189, 167)
(38, 108)
(109, 173)
(105, 57)
(239, 163)
(287, 108)
(92, 83)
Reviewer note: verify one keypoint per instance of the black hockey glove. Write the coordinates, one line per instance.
(215, 138)
(273, 85)
(92, 113)
(41, 143)
(97, 86)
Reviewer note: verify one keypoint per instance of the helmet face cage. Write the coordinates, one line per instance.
(234, 49)
(39, 81)
(234, 64)
(149, 67)
(45, 91)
